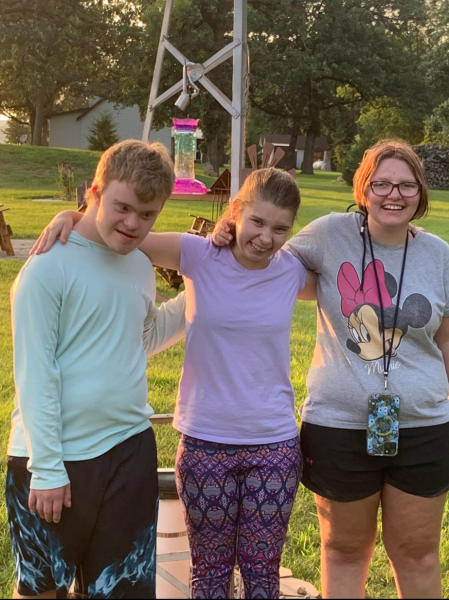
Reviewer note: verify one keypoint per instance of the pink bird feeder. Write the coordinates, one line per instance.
(185, 148)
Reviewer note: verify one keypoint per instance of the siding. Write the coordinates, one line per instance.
(68, 132)
(65, 131)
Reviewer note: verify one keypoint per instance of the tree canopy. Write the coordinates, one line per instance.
(344, 68)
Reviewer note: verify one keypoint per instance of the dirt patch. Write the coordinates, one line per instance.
(21, 249)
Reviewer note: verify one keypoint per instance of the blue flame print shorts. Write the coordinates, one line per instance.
(106, 542)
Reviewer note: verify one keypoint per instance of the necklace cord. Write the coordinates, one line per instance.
(396, 312)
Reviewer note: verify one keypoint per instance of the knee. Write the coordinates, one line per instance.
(412, 554)
(346, 550)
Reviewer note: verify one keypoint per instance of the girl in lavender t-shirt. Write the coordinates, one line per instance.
(239, 463)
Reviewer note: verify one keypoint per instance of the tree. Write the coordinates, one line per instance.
(56, 49)
(14, 131)
(387, 119)
(436, 126)
(198, 28)
(103, 132)
(304, 52)
(435, 57)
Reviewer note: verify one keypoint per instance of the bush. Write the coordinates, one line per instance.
(436, 127)
(14, 131)
(355, 154)
(66, 182)
(103, 133)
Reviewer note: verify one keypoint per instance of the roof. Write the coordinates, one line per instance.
(279, 139)
(82, 111)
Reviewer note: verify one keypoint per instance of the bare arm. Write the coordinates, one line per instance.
(309, 291)
(442, 341)
(60, 226)
(163, 249)
(164, 326)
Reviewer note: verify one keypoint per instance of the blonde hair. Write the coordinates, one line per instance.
(148, 168)
(270, 185)
(372, 159)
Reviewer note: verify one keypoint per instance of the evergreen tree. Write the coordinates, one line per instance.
(103, 133)
(14, 131)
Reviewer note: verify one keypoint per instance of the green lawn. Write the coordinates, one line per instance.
(26, 173)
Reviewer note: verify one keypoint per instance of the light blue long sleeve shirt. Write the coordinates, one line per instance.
(82, 319)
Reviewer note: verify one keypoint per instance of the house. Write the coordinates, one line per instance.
(70, 129)
(3, 123)
(283, 141)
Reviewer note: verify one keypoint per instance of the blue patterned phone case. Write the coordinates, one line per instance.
(382, 435)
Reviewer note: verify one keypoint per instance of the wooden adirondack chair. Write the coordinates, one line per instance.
(5, 233)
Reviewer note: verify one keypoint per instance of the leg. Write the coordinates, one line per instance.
(45, 595)
(268, 488)
(40, 561)
(120, 561)
(207, 486)
(348, 536)
(411, 533)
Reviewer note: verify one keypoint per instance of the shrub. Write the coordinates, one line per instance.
(103, 133)
(66, 182)
(14, 131)
(355, 154)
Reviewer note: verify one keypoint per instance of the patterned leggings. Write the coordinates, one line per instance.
(237, 502)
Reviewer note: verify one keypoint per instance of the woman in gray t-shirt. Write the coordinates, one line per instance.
(375, 428)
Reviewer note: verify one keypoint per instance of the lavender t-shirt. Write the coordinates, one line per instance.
(235, 385)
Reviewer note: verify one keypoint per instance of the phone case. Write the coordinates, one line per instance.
(382, 436)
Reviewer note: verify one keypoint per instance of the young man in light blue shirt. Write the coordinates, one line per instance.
(81, 486)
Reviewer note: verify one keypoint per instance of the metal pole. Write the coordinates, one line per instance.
(240, 62)
(157, 72)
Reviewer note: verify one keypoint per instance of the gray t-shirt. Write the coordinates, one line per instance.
(347, 365)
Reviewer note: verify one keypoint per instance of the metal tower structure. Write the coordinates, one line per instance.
(196, 72)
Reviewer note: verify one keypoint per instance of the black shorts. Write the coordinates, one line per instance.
(106, 541)
(337, 466)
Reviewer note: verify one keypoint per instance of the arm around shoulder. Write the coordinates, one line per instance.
(309, 244)
(309, 290)
(165, 326)
(163, 249)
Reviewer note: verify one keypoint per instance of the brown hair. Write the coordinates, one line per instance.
(372, 159)
(270, 185)
(148, 168)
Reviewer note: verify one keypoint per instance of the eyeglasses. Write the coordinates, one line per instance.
(407, 189)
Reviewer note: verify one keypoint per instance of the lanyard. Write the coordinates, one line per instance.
(387, 361)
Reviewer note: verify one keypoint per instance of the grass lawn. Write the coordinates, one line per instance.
(27, 173)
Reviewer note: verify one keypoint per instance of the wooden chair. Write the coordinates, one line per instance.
(5, 233)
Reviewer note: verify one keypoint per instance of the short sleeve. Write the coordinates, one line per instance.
(302, 274)
(446, 282)
(194, 249)
(309, 244)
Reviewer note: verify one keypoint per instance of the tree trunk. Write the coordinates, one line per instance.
(290, 154)
(45, 132)
(39, 120)
(313, 131)
(32, 118)
(213, 153)
(221, 155)
(327, 166)
(307, 163)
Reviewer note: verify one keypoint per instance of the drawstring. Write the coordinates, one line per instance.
(362, 233)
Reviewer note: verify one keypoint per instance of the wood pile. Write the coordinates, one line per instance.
(436, 165)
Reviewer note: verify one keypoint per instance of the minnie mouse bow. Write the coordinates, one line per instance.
(349, 287)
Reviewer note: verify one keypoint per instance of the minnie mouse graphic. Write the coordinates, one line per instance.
(362, 309)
